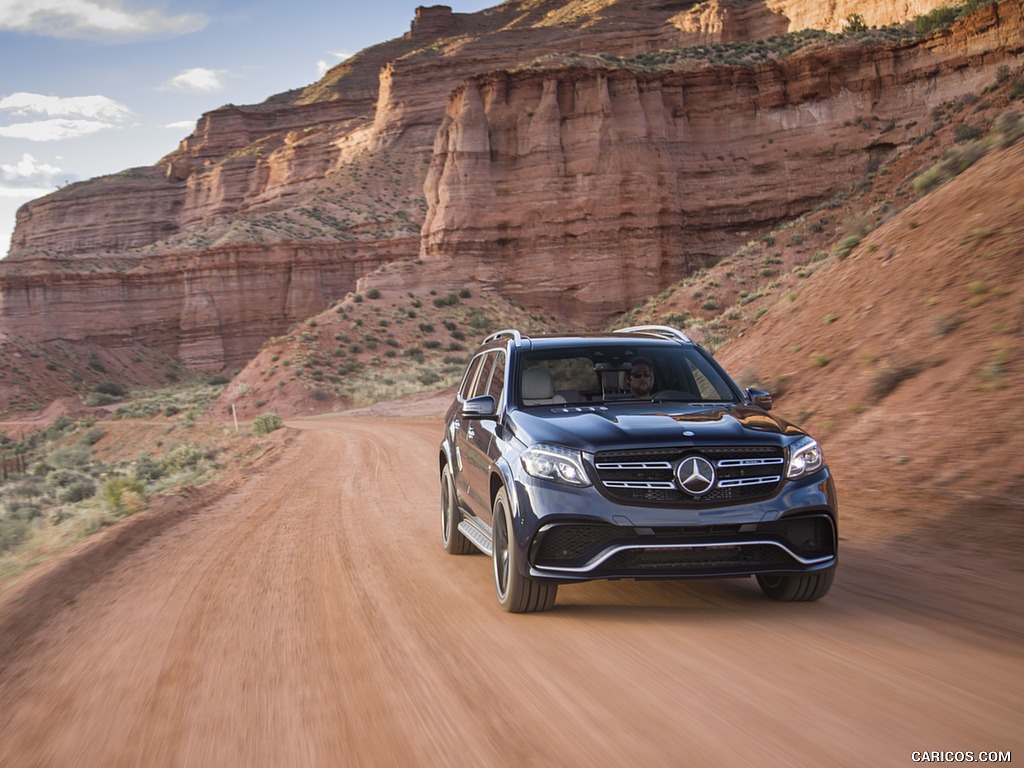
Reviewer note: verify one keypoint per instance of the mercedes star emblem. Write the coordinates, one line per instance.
(696, 475)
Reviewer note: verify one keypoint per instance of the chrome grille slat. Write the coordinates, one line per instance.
(639, 484)
(634, 465)
(749, 481)
(750, 462)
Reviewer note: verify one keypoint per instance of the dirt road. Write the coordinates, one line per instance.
(309, 617)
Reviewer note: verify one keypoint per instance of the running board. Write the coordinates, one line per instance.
(474, 531)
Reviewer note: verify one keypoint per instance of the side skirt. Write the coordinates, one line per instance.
(479, 533)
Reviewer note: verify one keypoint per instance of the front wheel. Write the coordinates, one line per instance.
(516, 593)
(454, 542)
(796, 587)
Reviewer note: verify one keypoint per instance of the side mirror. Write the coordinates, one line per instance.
(482, 407)
(760, 398)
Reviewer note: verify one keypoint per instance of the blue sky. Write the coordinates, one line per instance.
(91, 87)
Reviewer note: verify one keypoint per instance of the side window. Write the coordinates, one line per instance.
(497, 383)
(465, 391)
(480, 385)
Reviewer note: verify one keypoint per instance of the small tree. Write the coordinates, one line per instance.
(855, 24)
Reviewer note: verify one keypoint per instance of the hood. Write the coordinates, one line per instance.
(638, 425)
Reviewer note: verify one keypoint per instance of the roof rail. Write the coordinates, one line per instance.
(512, 332)
(664, 331)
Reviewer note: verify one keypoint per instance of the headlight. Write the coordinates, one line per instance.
(552, 462)
(804, 458)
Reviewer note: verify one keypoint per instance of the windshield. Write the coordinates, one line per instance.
(600, 373)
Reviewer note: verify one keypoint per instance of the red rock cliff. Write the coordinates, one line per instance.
(336, 171)
(584, 191)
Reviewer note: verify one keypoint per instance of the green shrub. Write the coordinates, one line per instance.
(966, 132)
(92, 436)
(940, 18)
(77, 491)
(110, 388)
(124, 496)
(846, 245)
(70, 457)
(373, 293)
(96, 399)
(266, 423)
(12, 533)
(448, 300)
(429, 377)
(184, 456)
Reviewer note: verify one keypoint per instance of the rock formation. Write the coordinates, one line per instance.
(584, 190)
(267, 213)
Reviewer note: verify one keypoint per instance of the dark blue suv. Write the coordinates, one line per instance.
(628, 455)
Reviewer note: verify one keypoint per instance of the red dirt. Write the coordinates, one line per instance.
(307, 615)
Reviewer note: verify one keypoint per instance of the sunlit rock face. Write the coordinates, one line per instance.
(585, 192)
(576, 187)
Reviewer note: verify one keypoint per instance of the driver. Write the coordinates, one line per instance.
(641, 378)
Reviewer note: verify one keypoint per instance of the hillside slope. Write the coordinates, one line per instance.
(906, 356)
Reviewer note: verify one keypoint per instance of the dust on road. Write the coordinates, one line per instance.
(310, 617)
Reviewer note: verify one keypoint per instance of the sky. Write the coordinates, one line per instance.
(93, 87)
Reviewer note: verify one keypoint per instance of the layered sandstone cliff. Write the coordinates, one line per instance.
(583, 191)
(331, 177)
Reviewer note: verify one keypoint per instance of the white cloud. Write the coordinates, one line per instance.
(65, 118)
(197, 79)
(52, 130)
(94, 20)
(29, 178)
(322, 66)
(189, 124)
(99, 107)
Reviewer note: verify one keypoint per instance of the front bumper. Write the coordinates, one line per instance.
(577, 534)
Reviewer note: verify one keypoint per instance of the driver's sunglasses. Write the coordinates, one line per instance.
(640, 375)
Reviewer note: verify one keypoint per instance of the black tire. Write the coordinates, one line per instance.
(451, 537)
(796, 587)
(516, 593)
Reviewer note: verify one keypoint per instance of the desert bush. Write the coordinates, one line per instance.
(12, 533)
(847, 244)
(124, 496)
(91, 437)
(182, 457)
(428, 377)
(952, 165)
(110, 388)
(77, 491)
(95, 399)
(448, 300)
(1009, 128)
(266, 423)
(147, 469)
(70, 457)
(966, 132)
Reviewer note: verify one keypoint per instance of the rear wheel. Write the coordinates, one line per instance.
(796, 587)
(516, 593)
(454, 542)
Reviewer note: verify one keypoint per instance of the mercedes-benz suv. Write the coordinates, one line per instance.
(628, 455)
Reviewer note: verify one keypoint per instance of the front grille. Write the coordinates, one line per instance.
(648, 475)
(602, 550)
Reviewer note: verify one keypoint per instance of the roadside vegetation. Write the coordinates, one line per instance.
(75, 477)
